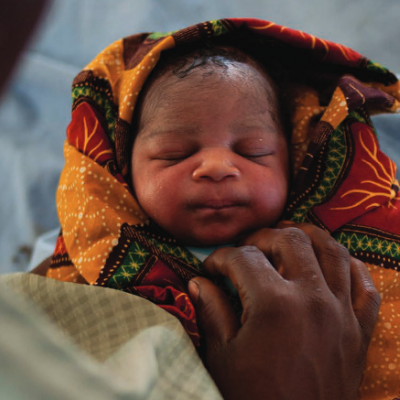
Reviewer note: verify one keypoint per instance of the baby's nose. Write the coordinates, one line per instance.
(216, 165)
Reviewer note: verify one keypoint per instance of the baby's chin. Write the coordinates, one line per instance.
(208, 235)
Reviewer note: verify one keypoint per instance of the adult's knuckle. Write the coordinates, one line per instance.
(341, 251)
(294, 233)
(245, 256)
(373, 296)
(247, 250)
(337, 252)
(290, 240)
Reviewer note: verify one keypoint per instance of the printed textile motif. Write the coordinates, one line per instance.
(342, 181)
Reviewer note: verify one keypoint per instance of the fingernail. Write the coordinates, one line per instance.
(284, 224)
(287, 222)
(194, 290)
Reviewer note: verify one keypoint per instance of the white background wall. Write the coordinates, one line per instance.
(36, 110)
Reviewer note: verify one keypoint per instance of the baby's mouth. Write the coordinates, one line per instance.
(217, 204)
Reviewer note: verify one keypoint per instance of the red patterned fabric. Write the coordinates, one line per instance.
(342, 181)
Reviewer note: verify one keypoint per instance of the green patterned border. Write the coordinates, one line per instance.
(133, 261)
(160, 35)
(356, 242)
(218, 27)
(336, 156)
(177, 251)
(137, 256)
(377, 68)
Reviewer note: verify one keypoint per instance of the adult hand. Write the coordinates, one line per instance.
(309, 310)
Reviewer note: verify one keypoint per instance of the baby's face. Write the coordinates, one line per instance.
(210, 161)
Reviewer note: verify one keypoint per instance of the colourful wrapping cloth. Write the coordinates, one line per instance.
(342, 182)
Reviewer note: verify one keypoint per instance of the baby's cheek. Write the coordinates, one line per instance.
(273, 195)
(154, 198)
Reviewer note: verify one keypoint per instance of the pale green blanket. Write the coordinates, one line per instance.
(67, 341)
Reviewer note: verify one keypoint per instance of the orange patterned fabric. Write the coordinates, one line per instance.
(342, 181)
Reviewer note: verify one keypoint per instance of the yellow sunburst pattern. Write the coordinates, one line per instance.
(342, 182)
(381, 185)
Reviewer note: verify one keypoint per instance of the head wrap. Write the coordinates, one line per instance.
(342, 181)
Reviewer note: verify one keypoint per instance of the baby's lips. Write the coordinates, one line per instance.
(218, 202)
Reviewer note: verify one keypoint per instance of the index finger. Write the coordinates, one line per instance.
(291, 252)
(334, 259)
(247, 268)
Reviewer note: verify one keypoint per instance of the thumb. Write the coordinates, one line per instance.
(216, 315)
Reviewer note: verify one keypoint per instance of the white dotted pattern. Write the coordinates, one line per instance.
(87, 200)
(382, 374)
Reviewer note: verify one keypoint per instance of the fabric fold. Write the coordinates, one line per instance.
(342, 181)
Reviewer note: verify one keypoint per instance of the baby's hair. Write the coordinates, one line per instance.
(183, 63)
(221, 52)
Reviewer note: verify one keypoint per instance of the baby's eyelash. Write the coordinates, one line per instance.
(172, 157)
(255, 154)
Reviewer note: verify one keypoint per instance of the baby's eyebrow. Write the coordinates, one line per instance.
(180, 131)
(239, 126)
(235, 126)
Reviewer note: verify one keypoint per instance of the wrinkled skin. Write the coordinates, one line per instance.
(309, 313)
(307, 322)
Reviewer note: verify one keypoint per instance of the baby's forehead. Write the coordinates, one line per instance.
(190, 118)
(187, 99)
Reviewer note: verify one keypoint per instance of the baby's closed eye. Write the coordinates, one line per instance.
(253, 148)
(171, 151)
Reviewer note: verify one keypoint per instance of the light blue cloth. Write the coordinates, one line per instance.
(203, 252)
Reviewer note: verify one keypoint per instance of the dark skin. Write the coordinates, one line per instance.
(309, 308)
(309, 313)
